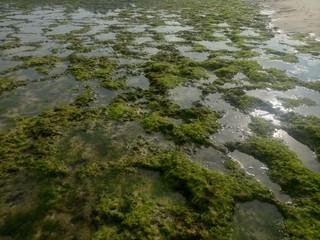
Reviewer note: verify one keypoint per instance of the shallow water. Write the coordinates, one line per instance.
(37, 97)
(50, 26)
(257, 220)
(272, 96)
(185, 96)
(234, 127)
(211, 159)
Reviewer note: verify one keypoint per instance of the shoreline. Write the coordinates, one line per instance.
(294, 16)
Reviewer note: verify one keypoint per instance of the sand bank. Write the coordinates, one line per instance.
(293, 16)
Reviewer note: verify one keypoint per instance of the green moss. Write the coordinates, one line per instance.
(301, 183)
(79, 48)
(8, 45)
(227, 72)
(304, 129)
(261, 127)
(120, 111)
(198, 124)
(8, 83)
(211, 198)
(197, 47)
(94, 68)
(312, 46)
(245, 54)
(279, 55)
(291, 103)
(256, 75)
(170, 69)
(315, 85)
(237, 97)
(42, 64)
(34, 139)
(85, 98)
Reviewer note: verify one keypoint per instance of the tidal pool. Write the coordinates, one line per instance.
(73, 157)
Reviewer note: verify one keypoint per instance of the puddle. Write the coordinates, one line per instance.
(216, 103)
(17, 51)
(106, 36)
(257, 220)
(221, 45)
(5, 64)
(141, 40)
(171, 29)
(303, 152)
(249, 33)
(138, 81)
(211, 159)
(99, 52)
(151, 50)
(198, 56)
(37, 97)
(185, 96)
(234, 127)
(259, 171)
(273, 96)
(173, 38)
(308, 68)
(187, 52)
(137, 28)
(63, 29)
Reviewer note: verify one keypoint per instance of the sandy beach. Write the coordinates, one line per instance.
(293, 16)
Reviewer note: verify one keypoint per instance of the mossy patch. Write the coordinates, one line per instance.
(42, 64)
(85, 98)
(9, 83)
(94, 68)
(8, 45)
(238, 98)
(167, 70)
(283, 56)
(198, 124)
(292, 103)
(304, 129)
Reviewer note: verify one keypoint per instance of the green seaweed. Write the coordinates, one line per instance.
(8, 45)
(198, 124)
(197, 47)
(167, 70)
(120, 111)
(237, 97)
(304, 129)
(279, 55)
(261, 127)
(9, 83)
(94, 68)
(42, 64)
(85, 98)
(291, 103)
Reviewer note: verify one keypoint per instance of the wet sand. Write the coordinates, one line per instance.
(293, 16)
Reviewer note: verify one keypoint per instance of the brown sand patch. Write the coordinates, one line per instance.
(294, 16)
